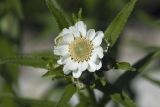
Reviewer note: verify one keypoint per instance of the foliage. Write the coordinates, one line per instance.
(11, 30)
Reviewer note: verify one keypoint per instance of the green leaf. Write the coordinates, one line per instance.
(157, 82)
(152, 48)
(84, 101)
(9, 73)
(8, 102)
(108, 90)
(68, 93)
(6, 48)
(123, 99)
(33, 61)
(124, 66)
(113, 31)
(58, 14)
(54, 73)
(125, 79)
(77, 17)
(12, 6)
(17, 6)
(24, 102)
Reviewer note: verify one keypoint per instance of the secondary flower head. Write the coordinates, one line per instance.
(79, 49)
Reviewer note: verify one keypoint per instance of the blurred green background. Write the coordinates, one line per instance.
(27, 27)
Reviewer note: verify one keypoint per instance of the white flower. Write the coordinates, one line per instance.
(79, 49)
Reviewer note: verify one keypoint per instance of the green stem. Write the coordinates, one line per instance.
(92, 95)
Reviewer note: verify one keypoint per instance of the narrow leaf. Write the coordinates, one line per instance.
(124, 66)
(125, 79)
(54, 73)
(68, 93)
(58, 14)
(17, 6)
(24, 102)
(108, 90)
(83, 100)
(113, 31)
(33, 61)
(157, 82)
(123, 99)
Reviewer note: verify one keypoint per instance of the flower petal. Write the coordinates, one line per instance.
(72, 65)
(66, 70)
(66, 31)
(61, 50)
(76, 74)
(93, 57)
(63, 59)
(68, 38)
(81, 27)
(99, 65)
(92, 66)
(98, 39)
(91, 34)
(99, 51)
(83, 66)
(75, 32)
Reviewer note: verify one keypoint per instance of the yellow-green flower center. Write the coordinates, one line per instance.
(80, 49)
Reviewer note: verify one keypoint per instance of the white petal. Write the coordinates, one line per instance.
(61, 50)
(72, 65)
(65, 31)
(99, 51)
(81, 27)
(76, 74)
(99, 65)
(83, 66)
(93, 57)
(63, 59)
(75, 32)
(66, 70)
(91, 34)
(68, 38)
(98, 39)
(92, 66)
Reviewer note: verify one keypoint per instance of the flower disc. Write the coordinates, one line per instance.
(80, 49)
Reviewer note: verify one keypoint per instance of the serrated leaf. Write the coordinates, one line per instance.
(58, 14)
(33, 61)
(68, 93)
(123, 99)
(114, 29)
(124, 66)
